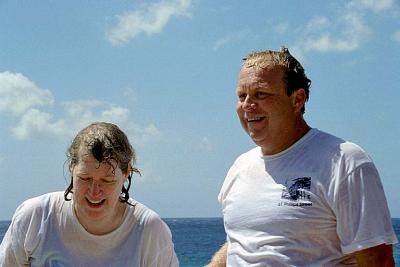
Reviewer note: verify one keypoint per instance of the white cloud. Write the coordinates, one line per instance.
(115, 112)
(345, 31)
(37, 122)
(230, 38)
(149, 20)
(82, 109)
(24, 100)
(18, 94)
(281, 28)
(81, 113)
(345, 34)
(222, 42)
(317, 23)
(205, 144)
(152, 130)
(373, 5)
(197, 144)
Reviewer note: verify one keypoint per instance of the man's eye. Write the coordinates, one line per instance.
(261, 94)
(242, 97)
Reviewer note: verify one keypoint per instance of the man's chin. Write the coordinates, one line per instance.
(256, 138)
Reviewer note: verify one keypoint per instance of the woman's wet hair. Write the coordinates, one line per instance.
(107, 143)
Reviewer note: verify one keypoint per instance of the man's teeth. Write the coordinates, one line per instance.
(253, 119)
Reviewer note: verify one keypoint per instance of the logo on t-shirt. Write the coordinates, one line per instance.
(297, 191)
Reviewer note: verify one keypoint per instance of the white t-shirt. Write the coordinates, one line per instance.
(45, 232)
(310, 205)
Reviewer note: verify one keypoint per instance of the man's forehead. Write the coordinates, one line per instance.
(260, 66)
(259, 73)
(257, 77)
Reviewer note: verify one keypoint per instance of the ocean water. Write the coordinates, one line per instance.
(196, 239)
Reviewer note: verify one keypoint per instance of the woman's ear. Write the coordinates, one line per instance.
(128, 172)
(71, 167)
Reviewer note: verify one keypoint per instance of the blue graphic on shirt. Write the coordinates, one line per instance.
(297, 189)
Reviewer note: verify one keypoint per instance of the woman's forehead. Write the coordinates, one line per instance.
(86, 158)
(95, 169)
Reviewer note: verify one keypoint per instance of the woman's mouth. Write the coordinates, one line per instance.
(95, 203)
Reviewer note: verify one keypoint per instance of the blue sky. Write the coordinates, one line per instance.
(165, 71)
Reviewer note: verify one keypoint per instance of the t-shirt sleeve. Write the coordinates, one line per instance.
(226, 184)
(11, 251)
(363, 217)
(19, 239)
(229, 181)
(159, 248)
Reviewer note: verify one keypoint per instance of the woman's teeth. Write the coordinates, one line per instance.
(95, 202)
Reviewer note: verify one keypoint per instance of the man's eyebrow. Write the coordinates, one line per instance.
(82, 173)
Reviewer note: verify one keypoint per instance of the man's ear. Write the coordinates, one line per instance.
(298, 99)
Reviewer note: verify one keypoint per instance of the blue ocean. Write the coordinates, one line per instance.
(196, 239)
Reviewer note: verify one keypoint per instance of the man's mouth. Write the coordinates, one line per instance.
(255, 119)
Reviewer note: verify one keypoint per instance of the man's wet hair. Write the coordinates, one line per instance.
(294, 74)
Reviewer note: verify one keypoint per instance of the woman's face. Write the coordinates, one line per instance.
(96, 191)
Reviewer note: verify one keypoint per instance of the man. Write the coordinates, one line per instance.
(302, 197)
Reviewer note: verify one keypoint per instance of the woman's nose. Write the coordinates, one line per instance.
(95, 188)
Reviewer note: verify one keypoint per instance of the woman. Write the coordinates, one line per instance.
(94, 222)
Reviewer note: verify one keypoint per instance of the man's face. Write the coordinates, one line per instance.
(265, 110)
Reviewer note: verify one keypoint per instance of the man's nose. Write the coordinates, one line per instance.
(249, 103)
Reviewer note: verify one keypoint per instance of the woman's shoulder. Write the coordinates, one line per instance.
(145, 216)
(154, 228)
(37, 206)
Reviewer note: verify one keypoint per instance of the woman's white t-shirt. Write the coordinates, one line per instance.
(45, 232)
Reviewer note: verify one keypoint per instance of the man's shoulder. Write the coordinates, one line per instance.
(341, 148)
(322, 136)
(250, 154)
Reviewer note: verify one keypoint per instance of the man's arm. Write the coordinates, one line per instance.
(379, 256)
(219, 258)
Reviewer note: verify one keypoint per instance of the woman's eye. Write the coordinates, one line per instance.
(109, 181)
(85, 179)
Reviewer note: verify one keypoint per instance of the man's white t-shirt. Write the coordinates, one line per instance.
(45, 232)
(311, 205)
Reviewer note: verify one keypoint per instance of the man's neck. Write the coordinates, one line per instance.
(299, 129)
